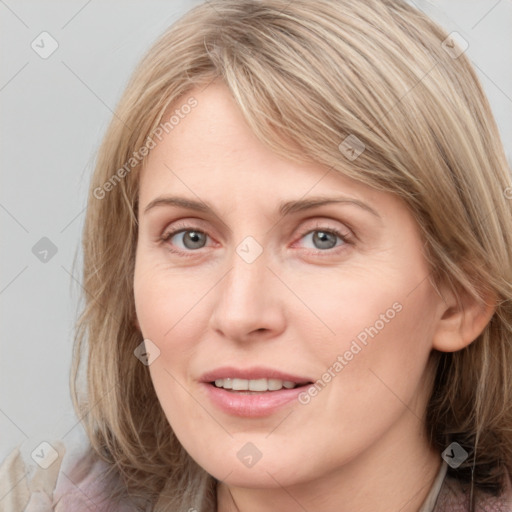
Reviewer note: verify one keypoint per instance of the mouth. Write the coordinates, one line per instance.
(252, 392)
(255, 386)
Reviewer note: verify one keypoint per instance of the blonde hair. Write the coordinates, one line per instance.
(306, 75)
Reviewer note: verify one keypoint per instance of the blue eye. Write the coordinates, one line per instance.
(192, 239)
(325, 238)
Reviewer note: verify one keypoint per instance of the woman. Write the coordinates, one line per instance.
(298, 276)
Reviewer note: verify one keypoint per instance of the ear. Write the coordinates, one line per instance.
(460, 321)
(136, 323)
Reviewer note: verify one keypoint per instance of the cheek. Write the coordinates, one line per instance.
(378, 361)
(352, 305)
(168, 307)
(378, 325)
(165, 317)
(166, 304)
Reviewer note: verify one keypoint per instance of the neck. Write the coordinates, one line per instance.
(395, 473)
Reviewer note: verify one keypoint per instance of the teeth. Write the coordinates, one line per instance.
(258, 385)
(240, 385)
(254, 384)
(224, 383)
(274, 384)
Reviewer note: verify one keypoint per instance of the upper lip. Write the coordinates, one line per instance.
(253, 373)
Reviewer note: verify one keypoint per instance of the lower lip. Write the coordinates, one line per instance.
(251, 405)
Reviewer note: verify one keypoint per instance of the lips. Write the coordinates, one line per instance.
(253, 392)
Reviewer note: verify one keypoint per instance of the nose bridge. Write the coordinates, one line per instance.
(248, 275)
(244, 302)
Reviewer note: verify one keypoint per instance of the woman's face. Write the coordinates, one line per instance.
(260, 288)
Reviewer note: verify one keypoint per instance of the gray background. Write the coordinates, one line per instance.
(54, 113)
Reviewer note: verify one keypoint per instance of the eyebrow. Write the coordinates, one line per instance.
(284, 209)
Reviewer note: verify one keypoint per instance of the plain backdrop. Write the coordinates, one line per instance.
(54, 112)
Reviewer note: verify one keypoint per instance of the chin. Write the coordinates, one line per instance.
(266, 474)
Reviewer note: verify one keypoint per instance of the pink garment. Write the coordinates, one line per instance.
(455, 497)
(69, 484)
(84, 493)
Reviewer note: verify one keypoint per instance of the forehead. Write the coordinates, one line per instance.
(212, 151)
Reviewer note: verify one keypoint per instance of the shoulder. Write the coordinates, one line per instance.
(55, 476)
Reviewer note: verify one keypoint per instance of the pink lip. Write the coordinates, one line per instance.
(251, 405)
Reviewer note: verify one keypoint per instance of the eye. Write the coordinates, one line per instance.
(324, 239)
(187, 239)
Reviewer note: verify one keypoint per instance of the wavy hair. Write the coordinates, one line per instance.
(306, 75)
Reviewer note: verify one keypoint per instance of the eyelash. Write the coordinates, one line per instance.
(345, 238)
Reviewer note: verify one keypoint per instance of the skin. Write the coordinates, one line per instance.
(360, 443)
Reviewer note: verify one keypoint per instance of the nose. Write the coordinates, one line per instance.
(249, 301)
